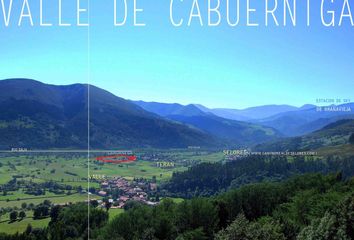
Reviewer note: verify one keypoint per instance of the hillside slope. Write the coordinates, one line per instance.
(307, 120)
(236, 132)
(37, 115)
(334, 134)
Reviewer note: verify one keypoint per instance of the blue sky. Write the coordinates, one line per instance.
(215, 66)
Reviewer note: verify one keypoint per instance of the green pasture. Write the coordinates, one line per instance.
(57, 199)
(113, 212)
(20, 225)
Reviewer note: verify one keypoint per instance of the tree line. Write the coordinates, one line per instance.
(311, 206)
(208, 179)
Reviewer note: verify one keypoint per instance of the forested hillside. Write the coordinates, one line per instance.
(308, 207)
(35, 115)
(210, 178)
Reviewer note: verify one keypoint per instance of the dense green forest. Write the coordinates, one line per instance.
(311, 206)
(208, 179)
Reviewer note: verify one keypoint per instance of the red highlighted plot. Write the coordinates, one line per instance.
(117, 158)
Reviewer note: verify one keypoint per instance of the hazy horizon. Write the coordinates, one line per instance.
(194, 103)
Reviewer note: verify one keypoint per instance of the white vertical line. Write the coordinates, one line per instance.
(88, 120)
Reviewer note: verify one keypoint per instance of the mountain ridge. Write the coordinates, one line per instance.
(38, 115)
(333, 134)
(238, 132)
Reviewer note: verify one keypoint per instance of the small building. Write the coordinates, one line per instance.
(102, 193)
(153, 186)
(123, 198)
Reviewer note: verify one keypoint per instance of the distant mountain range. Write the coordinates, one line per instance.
(303, 121)
(333, 134)
(248, 114)
(237, 132)
(42, 116)
(253, 113)
(286, 120)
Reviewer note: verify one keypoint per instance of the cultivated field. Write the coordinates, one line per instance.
(28, 179)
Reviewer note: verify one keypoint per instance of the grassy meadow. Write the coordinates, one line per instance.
(72, 169)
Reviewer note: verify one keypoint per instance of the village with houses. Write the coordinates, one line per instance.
(118, 191)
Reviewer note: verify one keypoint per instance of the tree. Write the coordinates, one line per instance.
(131, 204)
(40, 211)
(129, 225)
(335, 224)
(28, 229)
(47, 202)
(237, 230)
(71, 232)
(94, 203)
(54, 212)
(108, 205)
(98, 218)
(72, 222)
(351, 138)
(241, 228)
(37, 213)
(24, 205)
(22, 214)
(198, 213)
(13, 216)
(92, 190)
(196, 234)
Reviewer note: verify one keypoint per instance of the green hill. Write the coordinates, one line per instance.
(37, 115)
(334, 134)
